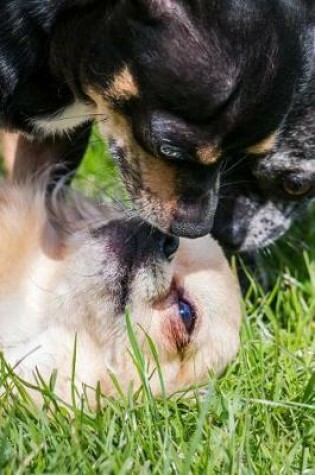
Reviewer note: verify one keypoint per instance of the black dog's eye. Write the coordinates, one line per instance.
(187, 315)
(171, 152)
(296, 186)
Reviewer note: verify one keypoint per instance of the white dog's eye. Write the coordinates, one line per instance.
(187, 314)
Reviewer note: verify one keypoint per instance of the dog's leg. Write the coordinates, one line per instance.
(26, 157)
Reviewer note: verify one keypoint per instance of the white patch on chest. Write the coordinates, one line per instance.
(65, 120)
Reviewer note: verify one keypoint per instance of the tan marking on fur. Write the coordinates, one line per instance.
(160, 178)
(208, 154)
(265, 146)
(116, 125)
(123, 86)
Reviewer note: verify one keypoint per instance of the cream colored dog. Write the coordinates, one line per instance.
(70, 268)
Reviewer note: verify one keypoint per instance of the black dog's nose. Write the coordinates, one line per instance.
(169, 245)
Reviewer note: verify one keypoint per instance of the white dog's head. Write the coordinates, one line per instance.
(76, 269)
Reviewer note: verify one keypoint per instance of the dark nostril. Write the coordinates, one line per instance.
(170, 245)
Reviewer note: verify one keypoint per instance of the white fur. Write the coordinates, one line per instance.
(65, 120)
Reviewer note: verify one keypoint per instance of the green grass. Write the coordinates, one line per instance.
(259, 418)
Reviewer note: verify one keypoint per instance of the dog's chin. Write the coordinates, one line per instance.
(235, 240)
(248, 224)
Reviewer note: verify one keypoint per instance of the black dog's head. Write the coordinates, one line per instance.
(258, 206)
(179, 84)
(260, 197)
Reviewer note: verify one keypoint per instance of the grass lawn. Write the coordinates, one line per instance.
(259, 418)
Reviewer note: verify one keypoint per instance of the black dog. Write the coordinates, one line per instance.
(260, 198)
(177, 85)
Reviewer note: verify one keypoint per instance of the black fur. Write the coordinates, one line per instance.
(221, 72)
(257, 206)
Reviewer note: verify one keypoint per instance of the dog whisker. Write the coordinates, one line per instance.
(234, 165)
